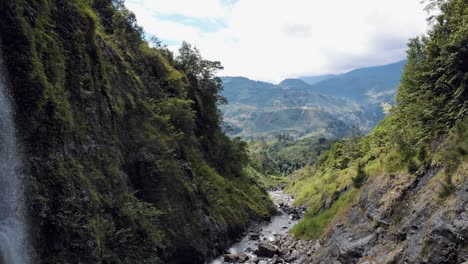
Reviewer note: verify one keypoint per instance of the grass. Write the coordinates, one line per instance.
(319, 186)
(313, 225)
(263, 179)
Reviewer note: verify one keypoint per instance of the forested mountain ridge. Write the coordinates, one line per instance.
(360, 84)
(399, 194)
(360, 97)
(125, 160)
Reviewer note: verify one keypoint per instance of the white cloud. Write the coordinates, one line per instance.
(206, 9)
(274, 39)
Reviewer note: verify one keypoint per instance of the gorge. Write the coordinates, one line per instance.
(112, 148)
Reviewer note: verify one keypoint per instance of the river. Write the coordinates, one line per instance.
(272, 231)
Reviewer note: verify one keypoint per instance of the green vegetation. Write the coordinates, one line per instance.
(283, 155)
(313, 224)
(126, 160)
(262, 178)
(360, 178)
(320, 185)
(427, 128)
(448, 188)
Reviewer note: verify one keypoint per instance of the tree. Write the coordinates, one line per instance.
(155, 41)
(179, 112)
(226, 155)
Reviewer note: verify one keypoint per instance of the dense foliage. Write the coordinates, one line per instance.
(126, 161)
(284, 155)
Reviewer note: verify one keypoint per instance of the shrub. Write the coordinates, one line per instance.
(360, 177)
(412, 166)
(448, 188)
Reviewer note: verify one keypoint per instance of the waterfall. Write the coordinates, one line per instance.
(13, 246)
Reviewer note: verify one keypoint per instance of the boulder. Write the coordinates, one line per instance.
(230, 258)
(293, 255)
(236, 258)
(242, 257)
(266, 249)
(276, 259)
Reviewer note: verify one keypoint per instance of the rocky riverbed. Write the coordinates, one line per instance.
(270, 242)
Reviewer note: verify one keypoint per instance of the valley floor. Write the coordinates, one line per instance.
(271, 242)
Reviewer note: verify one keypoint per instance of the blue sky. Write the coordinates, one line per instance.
(271, 40)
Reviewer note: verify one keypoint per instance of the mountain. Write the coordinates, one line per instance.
(361, 97)
(294, 84)
(318, 78)
(297, 122)
(363, 85)
(257, 109)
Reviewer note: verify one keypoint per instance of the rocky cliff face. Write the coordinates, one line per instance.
(398, 219)
(117, 170)
(396, 214)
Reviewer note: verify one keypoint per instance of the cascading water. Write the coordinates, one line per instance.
(13, 246)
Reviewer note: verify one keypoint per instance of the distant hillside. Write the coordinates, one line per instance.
(260, 109)
(294, 84)
(297, 122)
(318, 78)
(327, 108)
(365, 84)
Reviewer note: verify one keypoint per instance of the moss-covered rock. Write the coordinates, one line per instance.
(116, 170)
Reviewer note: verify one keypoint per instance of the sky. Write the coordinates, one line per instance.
(271, 40)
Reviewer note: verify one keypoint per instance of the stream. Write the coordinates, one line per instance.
(269, 234)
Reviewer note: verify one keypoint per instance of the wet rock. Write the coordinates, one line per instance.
(242, 257)
(350, 250)
(276, 259)
(292, 255)
(236, 258)
(266, 249)
(254, 237)
(230, 258)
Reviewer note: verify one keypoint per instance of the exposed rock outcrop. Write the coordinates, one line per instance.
(400, 219)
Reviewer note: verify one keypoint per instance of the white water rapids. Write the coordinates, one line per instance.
(13, 246)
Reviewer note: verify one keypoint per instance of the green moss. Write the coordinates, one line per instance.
(226, 196)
